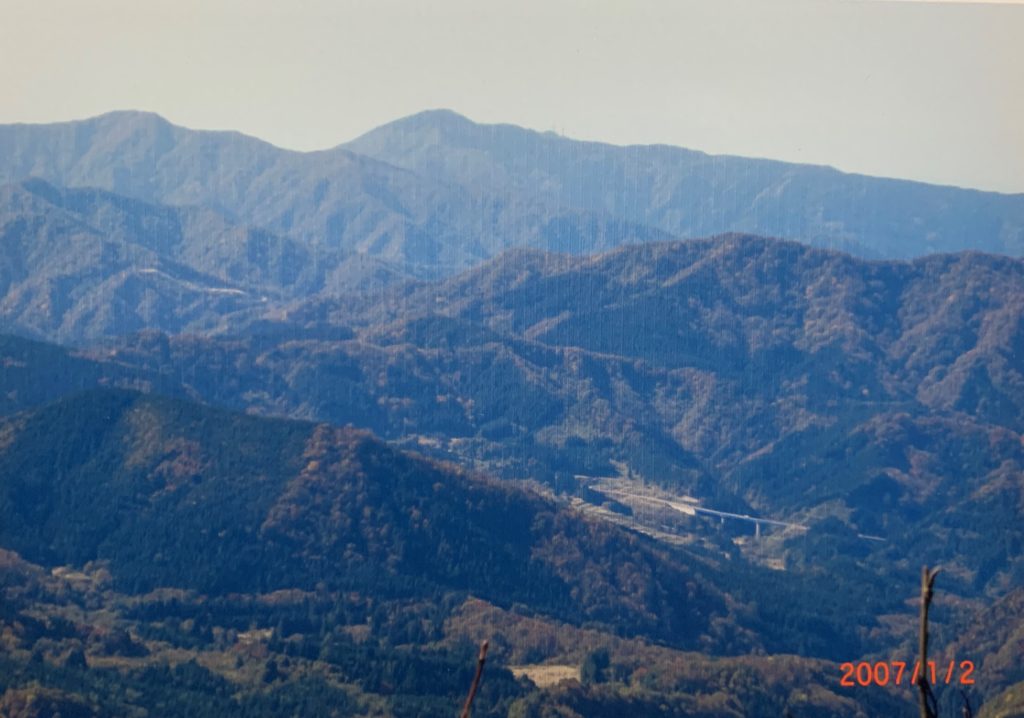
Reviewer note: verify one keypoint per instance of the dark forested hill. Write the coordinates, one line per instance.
(995, 638)
(174, 494)
(154, 552)
(750, 373)
(785, 381)
(33, 373)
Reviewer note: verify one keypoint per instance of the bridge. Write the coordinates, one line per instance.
(690, 508)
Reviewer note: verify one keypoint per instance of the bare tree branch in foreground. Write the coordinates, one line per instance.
(476, 681)
(966, 710)
(929, 708)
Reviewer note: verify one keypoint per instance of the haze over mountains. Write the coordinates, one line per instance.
(691, 194)
(126, 221)
(85, 263)
(603, 327)
(440, 192)
(335, 198)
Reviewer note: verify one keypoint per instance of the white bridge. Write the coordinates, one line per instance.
(690, 508)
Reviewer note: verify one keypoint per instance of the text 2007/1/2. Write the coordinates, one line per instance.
(884, 673)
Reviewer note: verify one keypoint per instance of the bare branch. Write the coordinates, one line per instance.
(929, 709)
(966, 711)
(468, 707)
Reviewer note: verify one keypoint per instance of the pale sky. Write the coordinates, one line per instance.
(923, 90)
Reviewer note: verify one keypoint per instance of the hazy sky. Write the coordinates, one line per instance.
(924, 90)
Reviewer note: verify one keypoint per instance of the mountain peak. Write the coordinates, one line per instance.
(439, 125)
(122, 122)
(438, 118)
(114, 117)
(132, 116)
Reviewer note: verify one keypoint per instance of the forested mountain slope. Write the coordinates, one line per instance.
(692, 194)
(177, 550)
(436, 192)
(334, 199)
(756, 375)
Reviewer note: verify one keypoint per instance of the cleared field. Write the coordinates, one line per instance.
(546, 675)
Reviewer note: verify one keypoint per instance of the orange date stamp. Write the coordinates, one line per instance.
(885, 673)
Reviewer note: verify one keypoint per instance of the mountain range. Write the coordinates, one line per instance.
(754, 374)
(125, 221)
(757, 375)
(281, 431)
(335, 199)
(80, 264)
(688, 194)
(438, 192)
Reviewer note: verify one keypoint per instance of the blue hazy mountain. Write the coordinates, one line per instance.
(692, 194)
(371, 285)
(438, 192)
(84, 263)
(335, 198)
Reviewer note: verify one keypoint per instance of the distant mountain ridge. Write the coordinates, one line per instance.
(440, 193)
(82, 263)
(688, 193)
(79, 263)
(519, 304)
(332, 198)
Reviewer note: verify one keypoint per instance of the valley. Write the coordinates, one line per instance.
(294, 436)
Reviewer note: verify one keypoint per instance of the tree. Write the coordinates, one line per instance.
(594, 666)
